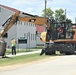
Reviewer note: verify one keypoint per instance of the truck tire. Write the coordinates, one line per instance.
(49, 52)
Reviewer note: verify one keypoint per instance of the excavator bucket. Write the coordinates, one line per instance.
(2, 47)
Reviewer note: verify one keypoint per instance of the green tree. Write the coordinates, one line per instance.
(68, 20)
(59, 15)
(49, 13)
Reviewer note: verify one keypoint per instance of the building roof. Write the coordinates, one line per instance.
(15, 10)
(38, 28)
(12, 9)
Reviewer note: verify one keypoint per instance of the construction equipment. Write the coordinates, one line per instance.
(12, 20)
(58, 36)
(61, 37)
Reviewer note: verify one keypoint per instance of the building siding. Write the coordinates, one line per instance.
(4, 14)
(21, 29)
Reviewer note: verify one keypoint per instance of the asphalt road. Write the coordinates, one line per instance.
(63, 65)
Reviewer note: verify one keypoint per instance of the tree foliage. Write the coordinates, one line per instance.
(49, 13)
(58, 15)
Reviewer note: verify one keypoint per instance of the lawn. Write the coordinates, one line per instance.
(21, 59)
(8, 51)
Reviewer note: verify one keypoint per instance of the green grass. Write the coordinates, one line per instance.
(24, 58)
(39, 47)
(8, 51)
(21, 59)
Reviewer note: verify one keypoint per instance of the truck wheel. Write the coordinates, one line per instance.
(50, 53)
(68, 53)
(46, 53)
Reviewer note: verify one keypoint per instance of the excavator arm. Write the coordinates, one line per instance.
(9, 23)
(36, 20)
(16, 17)
(41, 21)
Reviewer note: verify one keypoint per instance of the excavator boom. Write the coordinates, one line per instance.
(16, 17)
(36, 20)
(9, 23)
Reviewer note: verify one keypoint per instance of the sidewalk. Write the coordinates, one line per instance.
(18, 54)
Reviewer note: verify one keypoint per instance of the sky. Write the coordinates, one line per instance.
(35, 7)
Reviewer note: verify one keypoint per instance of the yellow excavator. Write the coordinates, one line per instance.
(58, 36)
(12, 20)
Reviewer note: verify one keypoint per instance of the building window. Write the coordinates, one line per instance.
(22, 41)
(25, 35)
(0, 9)
(21, 23)
(24, 23)
(34, 25)
(30, 24)
(33, 36)
(28, 35)
(17, 22)
(27, 23)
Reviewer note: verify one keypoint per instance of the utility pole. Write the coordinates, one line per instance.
(75, 19)
(45, 7)
(45, 13)
(65, 25)
(45, 17)
(65, 15)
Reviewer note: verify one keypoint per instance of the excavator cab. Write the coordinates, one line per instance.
(61, 30)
